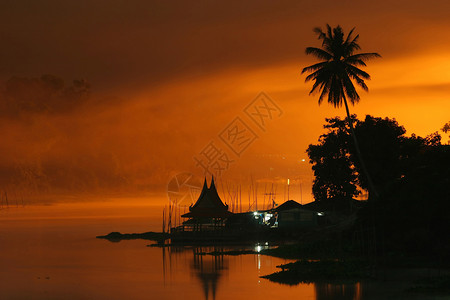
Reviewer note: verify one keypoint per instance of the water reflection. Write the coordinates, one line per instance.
(327, 291)
(59, 242)
(207, 269)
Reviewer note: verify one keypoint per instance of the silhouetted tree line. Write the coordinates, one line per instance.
(446, 129)
(412, 175)
(86, 173)
(47, 93)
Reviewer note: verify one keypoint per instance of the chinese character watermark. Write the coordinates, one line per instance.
(213, 160)
(183, 187)
(238, 136)
(263, 109)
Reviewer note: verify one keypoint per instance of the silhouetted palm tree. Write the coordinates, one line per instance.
(335, 74)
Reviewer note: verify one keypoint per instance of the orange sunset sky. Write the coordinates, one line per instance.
(167, 77)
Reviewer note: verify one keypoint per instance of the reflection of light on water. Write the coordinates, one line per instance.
(358, 293)
(338, 291)
(258, 249)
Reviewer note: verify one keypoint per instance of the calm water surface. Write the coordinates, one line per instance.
(50, 252)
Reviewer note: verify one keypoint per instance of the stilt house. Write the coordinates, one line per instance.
(208, 212)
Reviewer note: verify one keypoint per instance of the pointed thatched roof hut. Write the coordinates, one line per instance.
(208, 205)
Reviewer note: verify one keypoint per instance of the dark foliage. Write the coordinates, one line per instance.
(334, 175)
(381, 143)
(304, 271)
(338, 171)
(410, 217)
(413, 212)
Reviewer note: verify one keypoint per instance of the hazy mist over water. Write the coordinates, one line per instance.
(119, 98)
(50, 252)
(105, 104)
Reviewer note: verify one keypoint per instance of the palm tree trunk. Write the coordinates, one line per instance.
(372, 188)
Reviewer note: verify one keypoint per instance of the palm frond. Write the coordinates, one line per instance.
(364, 56)
(355, 41)
(319, 32)
(354, 62)
(337, 75)
(329, 31)
(335, 94)
(351, 48)
(358, 72)
(314, 67)
(317, 84)
(347, 40)
(350, 90)
(358, 80)
(312, 76)
(328, 36)
(319, 80)
(319, 53)
(325, 87)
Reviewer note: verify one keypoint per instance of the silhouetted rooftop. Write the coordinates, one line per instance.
(290, 204)
(208, 205)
